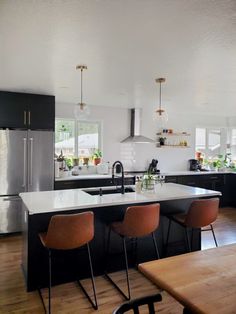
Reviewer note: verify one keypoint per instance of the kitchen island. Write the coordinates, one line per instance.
(39, 207)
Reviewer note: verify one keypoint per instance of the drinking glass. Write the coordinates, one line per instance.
(162, 178)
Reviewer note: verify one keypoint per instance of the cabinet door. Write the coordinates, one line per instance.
(41, 112)
(13, 110)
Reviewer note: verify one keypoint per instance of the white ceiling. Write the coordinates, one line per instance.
(126, 44)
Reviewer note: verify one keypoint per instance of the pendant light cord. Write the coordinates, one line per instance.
(160, 96)
(81, 86)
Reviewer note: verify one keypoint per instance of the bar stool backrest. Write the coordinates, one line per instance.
(66, 232)
(140, 221)
(202, 213)
(136, 303)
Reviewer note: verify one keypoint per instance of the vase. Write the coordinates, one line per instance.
(148, 184)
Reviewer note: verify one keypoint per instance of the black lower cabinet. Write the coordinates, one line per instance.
(232, 189)
(71, 265)
(88, 183)
(217, 182)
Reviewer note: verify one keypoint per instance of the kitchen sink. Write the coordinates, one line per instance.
(107, 190)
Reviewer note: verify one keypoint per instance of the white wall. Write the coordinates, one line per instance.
(116, 126)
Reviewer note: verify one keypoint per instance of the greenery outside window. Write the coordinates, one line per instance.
(77, 139)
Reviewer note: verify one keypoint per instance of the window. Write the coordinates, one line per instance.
(210, 141)
(65, 137)
(233, 144)
(200, 139)
(77, 138)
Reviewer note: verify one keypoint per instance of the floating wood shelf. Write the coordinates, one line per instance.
(177, 146)
(173, 134)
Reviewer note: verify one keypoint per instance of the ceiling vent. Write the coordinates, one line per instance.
(135, 127)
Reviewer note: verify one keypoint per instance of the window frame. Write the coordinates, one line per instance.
(223, 145)
(76, 130)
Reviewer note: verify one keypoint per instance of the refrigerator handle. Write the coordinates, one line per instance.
(12, 198)
(31, 160)
(29, 118)
(24, 117)
(25, 164)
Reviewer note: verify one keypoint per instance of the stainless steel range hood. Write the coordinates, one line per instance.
(135, 127)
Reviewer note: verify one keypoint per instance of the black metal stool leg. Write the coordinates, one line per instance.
(49, 284)
(41, 298)
(126, 267)
(187, 238)
(155, 245)
(214, 235)
(107, 248)
(126, 263)
(168, 232)
(136, 252)
(50, 280)
(94, 304)
(192, 238)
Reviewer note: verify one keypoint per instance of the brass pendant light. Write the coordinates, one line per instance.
(161, 114)
(81, 109)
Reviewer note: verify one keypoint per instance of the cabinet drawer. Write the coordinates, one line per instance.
(189, 180)
(88, 183)
(219, 179)
(171, 179)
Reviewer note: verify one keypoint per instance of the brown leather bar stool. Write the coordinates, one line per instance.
(68, 232)
(202, 213)
(139, 221)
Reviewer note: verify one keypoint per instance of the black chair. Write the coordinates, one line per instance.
(136, 303)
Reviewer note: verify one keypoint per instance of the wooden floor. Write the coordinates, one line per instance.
(68, 298)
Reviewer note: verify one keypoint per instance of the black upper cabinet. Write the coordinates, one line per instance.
(41, 113)
(27, 111)
(13, 110)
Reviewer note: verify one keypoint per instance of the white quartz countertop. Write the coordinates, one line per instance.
(62, 200)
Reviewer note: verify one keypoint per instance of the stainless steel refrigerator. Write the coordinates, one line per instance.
(26, 164)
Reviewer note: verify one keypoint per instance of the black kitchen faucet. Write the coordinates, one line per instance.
(122, 175)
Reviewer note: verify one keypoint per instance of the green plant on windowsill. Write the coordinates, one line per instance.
(219, 162)
(97, 155)
(69, 163)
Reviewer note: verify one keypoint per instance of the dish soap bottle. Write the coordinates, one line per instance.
(138, 185)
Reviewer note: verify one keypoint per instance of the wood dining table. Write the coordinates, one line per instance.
(202, 281)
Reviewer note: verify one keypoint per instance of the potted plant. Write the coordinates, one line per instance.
(97, 155)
